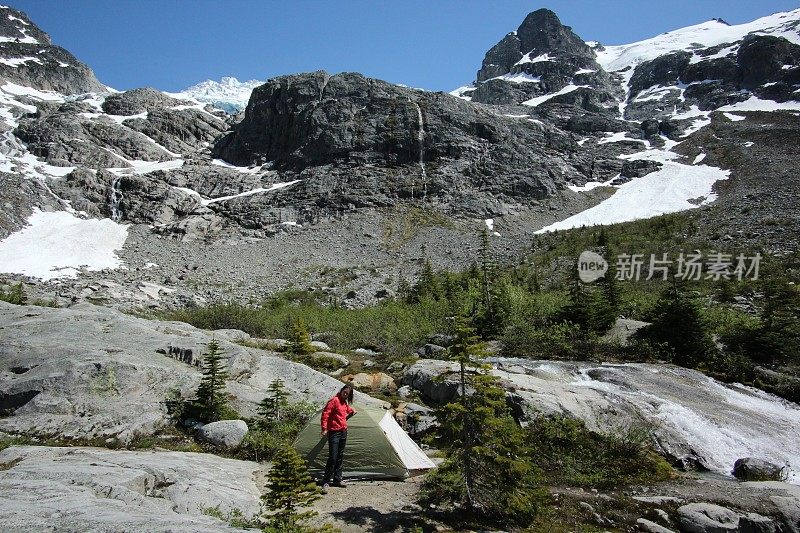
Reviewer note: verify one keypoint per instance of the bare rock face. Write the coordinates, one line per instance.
(542, 57)
(138, 101)
(86, 489)
(67, 139)
(359, 142)
(33, 61)
(540, 33)
(179, 130)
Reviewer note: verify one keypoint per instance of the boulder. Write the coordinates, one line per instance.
(707, 518)
(430, 378)
(397, 366)
(375, 382)
(366, 352)
(652, 527)
(752, 469)
(321, 346)
(225, 433)
(430, 350)
(639, 167)
(789, 509)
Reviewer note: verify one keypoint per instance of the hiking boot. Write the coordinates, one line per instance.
(324, 488)
(340, 484)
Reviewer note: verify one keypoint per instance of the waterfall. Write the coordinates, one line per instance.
(692, 414)
(421, 142)
(116, 199)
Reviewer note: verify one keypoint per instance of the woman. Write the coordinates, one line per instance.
(334, 426)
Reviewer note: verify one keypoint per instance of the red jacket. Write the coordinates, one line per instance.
(334, 416)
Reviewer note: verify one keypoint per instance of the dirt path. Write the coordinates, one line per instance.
(380, 506)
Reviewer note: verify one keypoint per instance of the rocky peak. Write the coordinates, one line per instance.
(28, 58)
(542, 32)
(540, 35)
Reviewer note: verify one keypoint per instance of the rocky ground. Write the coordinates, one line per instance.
(82, 489)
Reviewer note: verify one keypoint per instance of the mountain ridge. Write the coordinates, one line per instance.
(539, 145)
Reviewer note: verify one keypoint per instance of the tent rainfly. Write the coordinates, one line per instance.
(377, 447)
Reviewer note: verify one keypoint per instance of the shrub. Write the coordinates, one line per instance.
(569, 454)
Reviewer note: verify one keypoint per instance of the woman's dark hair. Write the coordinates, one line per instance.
(349, 398)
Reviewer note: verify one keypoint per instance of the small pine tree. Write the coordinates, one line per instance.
(290, 489)
(211, 397)
(428, 285)
(485, 470)
(300, 339)
(16, 295)
(274, 406)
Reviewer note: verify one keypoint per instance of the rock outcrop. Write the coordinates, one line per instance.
(91, 372)
(88, 489)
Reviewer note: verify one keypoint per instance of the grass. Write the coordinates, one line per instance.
(393, 327)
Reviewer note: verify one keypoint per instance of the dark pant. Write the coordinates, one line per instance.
(333, 469)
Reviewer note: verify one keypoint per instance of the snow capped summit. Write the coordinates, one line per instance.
(229, 94)
(704, 35)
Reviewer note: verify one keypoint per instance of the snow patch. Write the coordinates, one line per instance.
(707, 34)
(533, 102)
(229, 94)
(17, 61)
(519, 77)
(459, 93)
(538, 59)
(756, 104)
(620, 137)
(676, 187)
(57, 244)
(260, 190)
(734, 118)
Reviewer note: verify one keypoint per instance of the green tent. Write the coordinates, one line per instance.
(377, 447)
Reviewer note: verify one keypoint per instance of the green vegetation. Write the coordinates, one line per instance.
(570, 455)
(485, 471)
(211, 401)
(290, 490)
(299, 339)
(277, 424)
(234, 517)
(15, 295)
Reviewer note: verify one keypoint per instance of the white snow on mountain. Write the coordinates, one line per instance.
(58, 244)
(229, 94)
(707, 34)
(676, 187)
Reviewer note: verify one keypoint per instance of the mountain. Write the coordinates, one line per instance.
(29, 59)
(321, 170)
(228, 94)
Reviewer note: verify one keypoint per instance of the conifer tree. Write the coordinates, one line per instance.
(428, 285)
(290, 490)
(300, 339)
(274, 406)
(485, 461)
(681, 326)
(211, 397)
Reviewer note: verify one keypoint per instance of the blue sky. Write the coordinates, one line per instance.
(433, 44)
